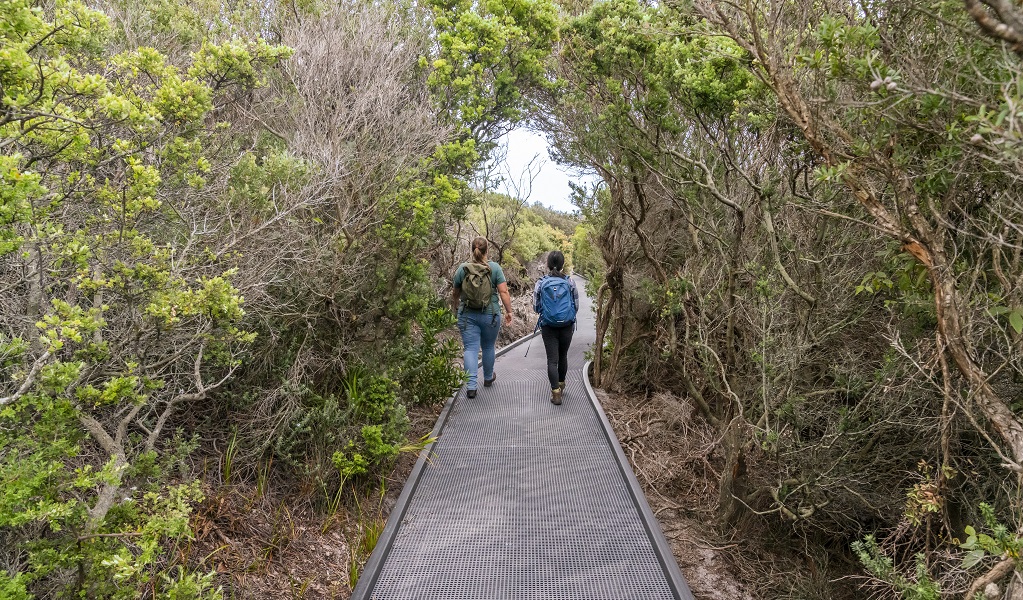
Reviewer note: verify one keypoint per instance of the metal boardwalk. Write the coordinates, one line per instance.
(522, 499)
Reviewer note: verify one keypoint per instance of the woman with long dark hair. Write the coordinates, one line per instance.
(478, 284)
(556, 300)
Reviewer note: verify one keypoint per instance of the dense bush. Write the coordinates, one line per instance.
(585, 256)
(809, 225)
(214, 225)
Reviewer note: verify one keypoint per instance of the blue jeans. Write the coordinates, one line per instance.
(478, 329)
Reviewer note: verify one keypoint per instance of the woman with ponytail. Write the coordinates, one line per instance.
(556, 299)
(477, 286)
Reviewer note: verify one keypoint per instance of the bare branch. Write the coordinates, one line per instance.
(30, 379)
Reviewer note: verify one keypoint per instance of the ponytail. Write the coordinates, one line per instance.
(479, 250)
(556, 263)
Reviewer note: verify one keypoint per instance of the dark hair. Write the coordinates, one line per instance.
(479, 250)
(556, 262)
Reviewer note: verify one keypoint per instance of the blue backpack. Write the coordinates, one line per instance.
(557, 307)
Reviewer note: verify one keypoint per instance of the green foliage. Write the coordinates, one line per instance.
(144, 189)
(487, 54)
(904, 285)
(373, 400)
(805, 223)
(924, 499)
(155, 520)
(16, 192)
(1000, 542)
(13, 587)
(130, 549)
(535, 237)
(518, 233)
(1012, 316)
(33, 464)
(918, 586)
(562, 221)
(102, 148)
(673, 296)
(424, 368)
(683, 75)
(316, 425)
(254, 178)
(181, 585)
(585, 255)
(358, 432)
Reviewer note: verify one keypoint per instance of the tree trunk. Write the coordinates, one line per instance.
(919, 238)
(733, 480)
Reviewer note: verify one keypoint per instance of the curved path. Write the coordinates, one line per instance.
(519, 498)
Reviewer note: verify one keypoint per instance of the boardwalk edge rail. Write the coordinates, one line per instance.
(371, 570)
(653, 526)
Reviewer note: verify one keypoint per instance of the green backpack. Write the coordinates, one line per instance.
(477, 288)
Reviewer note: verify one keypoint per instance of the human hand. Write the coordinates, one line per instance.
(508, 318)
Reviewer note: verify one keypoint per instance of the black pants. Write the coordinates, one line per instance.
(556, 341)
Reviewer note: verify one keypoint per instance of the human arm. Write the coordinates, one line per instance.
(456, 287)
(502, 291)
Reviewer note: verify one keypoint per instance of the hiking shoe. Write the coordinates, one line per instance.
(470, 393)
(490, 382)
(556, 396)
(561, 385)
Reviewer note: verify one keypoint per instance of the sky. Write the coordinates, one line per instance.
(550, 186)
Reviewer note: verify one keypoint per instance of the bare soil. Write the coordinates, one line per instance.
(674, 457)
(267, 543)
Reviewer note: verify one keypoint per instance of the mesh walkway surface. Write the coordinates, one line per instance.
(520, 498)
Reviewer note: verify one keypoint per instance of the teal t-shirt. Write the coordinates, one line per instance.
(496, 278)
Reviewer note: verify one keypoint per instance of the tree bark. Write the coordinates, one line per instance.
(733, 478)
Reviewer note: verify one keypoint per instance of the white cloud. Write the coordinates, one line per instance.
(550, 185)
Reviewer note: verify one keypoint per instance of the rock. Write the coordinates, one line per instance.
(992, 591)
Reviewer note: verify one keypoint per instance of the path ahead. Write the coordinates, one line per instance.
(523, 499)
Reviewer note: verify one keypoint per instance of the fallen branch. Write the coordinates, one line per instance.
(997, 572)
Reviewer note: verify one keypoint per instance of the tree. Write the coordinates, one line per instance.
(122, 316)
(175, 188)
(807, 232)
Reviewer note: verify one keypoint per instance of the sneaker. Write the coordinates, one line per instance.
(470, 393)
(490, 382)
(556, 396)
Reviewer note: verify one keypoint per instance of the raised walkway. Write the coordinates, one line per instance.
(522, 499)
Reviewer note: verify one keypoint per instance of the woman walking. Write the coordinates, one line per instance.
(556, 299)
(477, 286)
